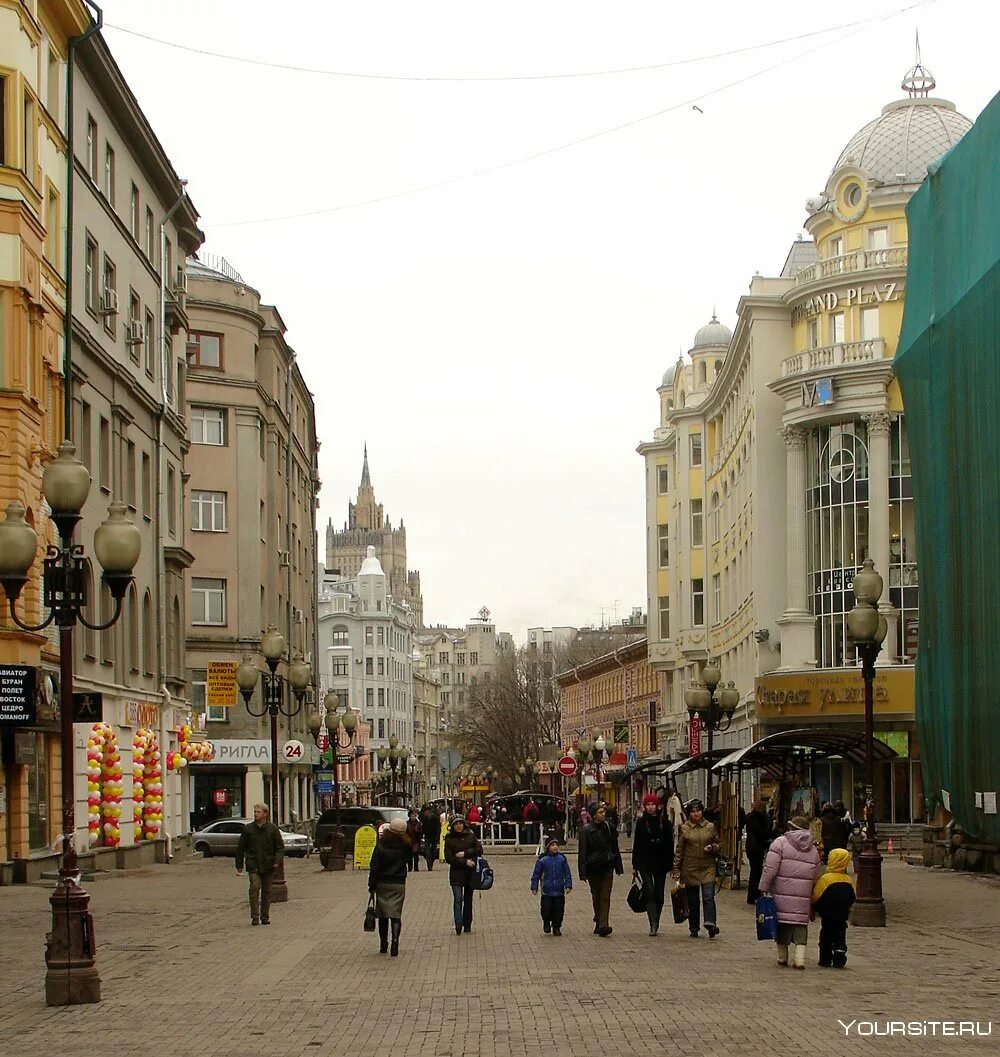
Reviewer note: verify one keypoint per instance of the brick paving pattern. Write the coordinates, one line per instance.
(184, 975)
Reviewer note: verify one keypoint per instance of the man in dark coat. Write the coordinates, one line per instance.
(263, 851)
(758, 837)
(834, 832)
(430, 823)
(599, 861)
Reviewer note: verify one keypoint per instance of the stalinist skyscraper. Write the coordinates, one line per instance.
(367, 527)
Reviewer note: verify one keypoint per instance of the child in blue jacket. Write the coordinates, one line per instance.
(552, 869)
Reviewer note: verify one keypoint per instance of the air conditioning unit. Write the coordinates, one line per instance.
(283, 559)
(109, 302)
(135, 333)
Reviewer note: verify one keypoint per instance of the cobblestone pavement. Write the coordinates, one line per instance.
(185, 976)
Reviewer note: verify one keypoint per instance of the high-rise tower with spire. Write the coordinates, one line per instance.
(367, 526)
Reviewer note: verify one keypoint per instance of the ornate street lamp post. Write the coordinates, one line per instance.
(868, 628)
(272, 645)
(71, 977)
(410, 764)
(713, 710)
(335, 721)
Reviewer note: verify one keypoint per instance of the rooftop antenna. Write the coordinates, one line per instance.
(918, 83)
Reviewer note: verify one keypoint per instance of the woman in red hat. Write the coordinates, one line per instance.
(653, 856)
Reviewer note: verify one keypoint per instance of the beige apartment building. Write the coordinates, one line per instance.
(428, 781)
(250, 501)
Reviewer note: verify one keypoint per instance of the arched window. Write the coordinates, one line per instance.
(147, 634)
(340, 636)
(715, 517)
(680, 399)
(718, 367)
(132, 629)
(702, 373)
(177, 637)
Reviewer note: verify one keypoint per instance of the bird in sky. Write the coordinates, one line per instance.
(699, 109)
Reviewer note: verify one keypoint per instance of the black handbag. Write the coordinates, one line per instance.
(370, 914)
(636, 897)
(679, 904)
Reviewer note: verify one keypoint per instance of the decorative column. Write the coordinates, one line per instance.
(798, 642)
(879, 424)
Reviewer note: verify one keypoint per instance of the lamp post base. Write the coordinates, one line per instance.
(336, 858)
(869, 907)
(279, 886)
(71, 977)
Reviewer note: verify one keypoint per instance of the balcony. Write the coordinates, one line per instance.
(849, 263)
(829, 356)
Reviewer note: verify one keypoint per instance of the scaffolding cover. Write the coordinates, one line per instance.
(948, 365)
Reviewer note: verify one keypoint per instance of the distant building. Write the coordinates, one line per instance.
(367, 526)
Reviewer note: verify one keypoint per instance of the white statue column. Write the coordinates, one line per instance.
(798, 641)
(879, 424)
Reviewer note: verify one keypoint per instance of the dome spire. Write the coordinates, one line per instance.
(918, 83)
(366, 481)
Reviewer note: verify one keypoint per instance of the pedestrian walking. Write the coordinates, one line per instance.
(414, 834)
(758, 837)
(553, 872)
(791, 869)
(675, 810)
(653, 856)
(599, 861)
(834, 830)
(391, 860)
(832, 899)
(461, 849)
(694, 867)
(530, 817)
(261, 848)
(430, 823)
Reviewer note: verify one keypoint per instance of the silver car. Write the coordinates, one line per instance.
(222, 836)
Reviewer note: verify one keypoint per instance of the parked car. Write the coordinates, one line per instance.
(222, 836)
(351, 820)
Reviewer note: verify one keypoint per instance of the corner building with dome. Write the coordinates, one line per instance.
(780, 462)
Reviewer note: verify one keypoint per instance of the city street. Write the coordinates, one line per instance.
(184, 974)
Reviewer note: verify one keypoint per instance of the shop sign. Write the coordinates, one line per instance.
(834, 692)
(467, 788)
(239, 752)
(293, 752)
(88, 707)
(345, 758)
(694, 736)
(141, 714)
(874, 294)
(220, 797)
(897, 740)
(620, 727)
(220, 684)
(617, 759)
(324, 782)
(17, 694)
(364, 845)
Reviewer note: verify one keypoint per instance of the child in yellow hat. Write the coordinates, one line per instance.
(832, 899)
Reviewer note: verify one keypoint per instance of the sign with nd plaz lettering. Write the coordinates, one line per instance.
(17, 694)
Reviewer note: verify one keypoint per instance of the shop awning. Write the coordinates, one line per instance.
(701, 761)
(818, 743)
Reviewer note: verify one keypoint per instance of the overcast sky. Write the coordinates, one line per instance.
(497, 339)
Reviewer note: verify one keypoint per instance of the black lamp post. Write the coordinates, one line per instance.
(868, 628)
(713, 710)
(272, 645)
(71, 976)
(395, 756)
(594, 749)
(335, 721)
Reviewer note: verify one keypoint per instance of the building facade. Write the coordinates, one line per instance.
(804, 471)
(428, 781)
(366, 653)
(248, 510)
(367, 526)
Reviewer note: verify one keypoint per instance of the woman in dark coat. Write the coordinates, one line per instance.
(653, 856)
(414, 832)
(461, 850)
(387, 879)
(758, 834)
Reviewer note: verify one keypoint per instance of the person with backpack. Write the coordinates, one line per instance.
(653, 856)
(552, 870)
(461, 852)
(599, 861)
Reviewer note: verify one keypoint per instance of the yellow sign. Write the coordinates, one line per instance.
(220, 688)
(835, 692)
(464, 788)
(364, 845)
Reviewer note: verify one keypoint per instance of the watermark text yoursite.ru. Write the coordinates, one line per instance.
(917, 1028)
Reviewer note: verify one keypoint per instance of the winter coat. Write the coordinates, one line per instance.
(675, 811)
(431, 824)
(692, 862)
(758, 834)
(390, 860)
(599, 852)
(474, 813)
(653, 845)
(835, 832)
(791, 869)
(459, 848)
(414, 832)
(833, 895)
(554, 873)
(261, 847)
(530, 813)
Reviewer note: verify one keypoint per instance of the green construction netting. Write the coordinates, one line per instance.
(948, 366)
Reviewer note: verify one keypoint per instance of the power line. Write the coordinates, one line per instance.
(515, 77)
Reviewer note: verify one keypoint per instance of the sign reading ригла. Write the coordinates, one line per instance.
(17, 694)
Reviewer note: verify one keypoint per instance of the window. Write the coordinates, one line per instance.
(663, 541)
(208, 352)
(837, 328)
(878, 238)
(697, 603)
(167, 262)
(381, 722)
(134, 316)
(702, 373)
(473, 658)
(460, 659)
(208, 601)
(30, 138)
(148, 632)
(869, 324)
(130, 492)
(171, 508)
(446, 678)
(104, 456)
(369, 635)
(208, 511)
(697, 528)
(133, 212)
(370, 701)
(381, 666)
(381, 635)
(147, 486)
(664, 617)
(443, 658)
(446, 698)
(208, 426)
(91, 148)
(110, 291)
(90, 275)
(717, 592)
(83, 436)
(340, 636)
(52, 225)
(696, 449)
(148, 345)
(53, 84)
(150, 235)
(813, 333)
(369, 666)
(662, 479)
(837, 245)
(109, 174)
(339, 666)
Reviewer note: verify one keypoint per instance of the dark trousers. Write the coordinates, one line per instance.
(653, 885)
(461, 897)
(553, 908)
(430, 853)
(833, 943)
(697, 895)
(260, 895)
(414, 863)
(753, 882)
(600, 893)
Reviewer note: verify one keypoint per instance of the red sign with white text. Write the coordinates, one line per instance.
(220, 797)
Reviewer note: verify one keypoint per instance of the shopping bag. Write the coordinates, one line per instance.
(370, 914)
(767, 918)
(636, 897)
(679, 903)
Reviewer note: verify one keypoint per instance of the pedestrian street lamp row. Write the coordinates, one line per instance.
(397, 758)
(590, 749)
(713, 705)
(338, 721)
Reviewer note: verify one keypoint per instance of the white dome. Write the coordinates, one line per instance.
(371, 566)
(712, 333)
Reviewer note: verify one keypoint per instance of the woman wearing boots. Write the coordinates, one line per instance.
(791, 869)
(387, 879)
(461, 849)
(652, 856)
